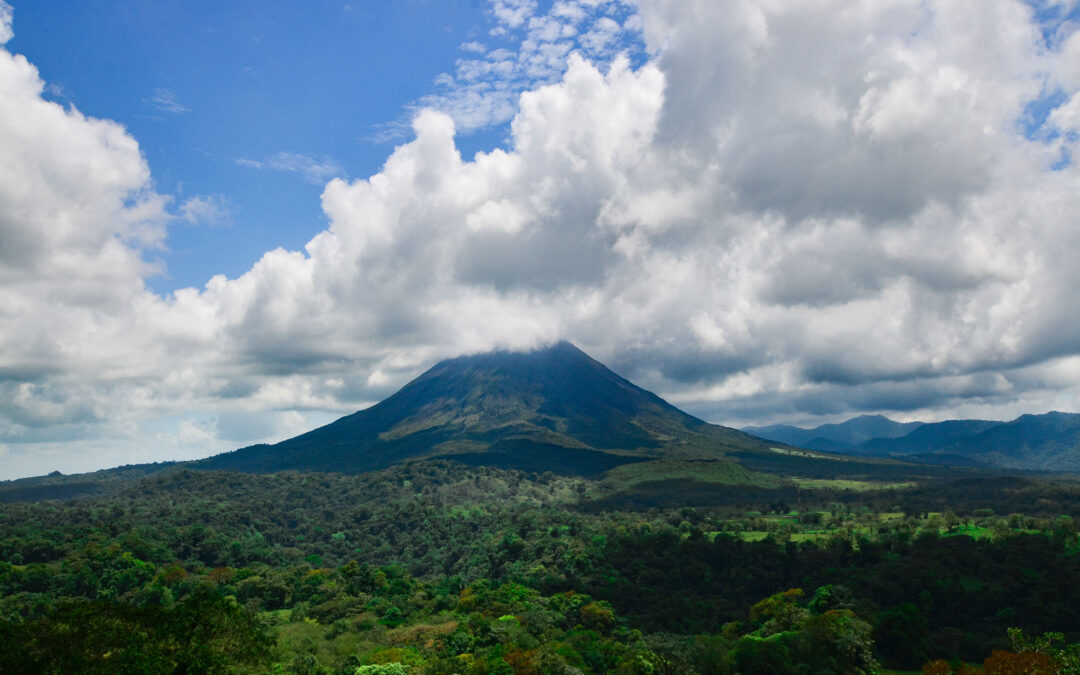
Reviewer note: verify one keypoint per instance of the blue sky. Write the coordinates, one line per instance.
(227, 223)
(312, 91)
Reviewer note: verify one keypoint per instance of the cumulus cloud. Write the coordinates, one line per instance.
(75, 194)
(789, 210)
(77, 209)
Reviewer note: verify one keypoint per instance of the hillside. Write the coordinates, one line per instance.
(928, 439)
(1049, 442)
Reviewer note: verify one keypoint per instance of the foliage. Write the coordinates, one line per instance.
(438, 568)
(1051, 647)
(204, 633)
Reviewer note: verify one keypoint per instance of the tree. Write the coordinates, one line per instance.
(206, 633)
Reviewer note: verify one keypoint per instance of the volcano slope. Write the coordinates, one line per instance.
(552, 409)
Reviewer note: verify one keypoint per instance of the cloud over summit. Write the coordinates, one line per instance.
(787, 210)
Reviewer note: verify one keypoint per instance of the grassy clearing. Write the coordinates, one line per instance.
(807, 454)
(847, 484)
(800, 537)
(973, 531)
(797, 537)
(753, 536)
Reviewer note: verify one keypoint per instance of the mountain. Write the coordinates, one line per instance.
(550, 409)
(927, 439)
(1047, 442)
(836, 437)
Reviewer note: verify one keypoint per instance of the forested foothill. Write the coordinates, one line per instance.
(439, 567)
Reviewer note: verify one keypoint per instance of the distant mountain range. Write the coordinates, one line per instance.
(833, 437)
(1048, 442)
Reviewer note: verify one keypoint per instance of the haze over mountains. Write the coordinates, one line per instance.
(1048, 442)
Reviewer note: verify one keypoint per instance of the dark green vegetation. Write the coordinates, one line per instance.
(536, 513)
(1047, 443)
(447, 568)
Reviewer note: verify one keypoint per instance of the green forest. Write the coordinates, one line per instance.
(435, 567)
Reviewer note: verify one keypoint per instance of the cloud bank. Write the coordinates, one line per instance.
(788, 210)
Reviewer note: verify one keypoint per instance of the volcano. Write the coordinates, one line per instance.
(551, 409)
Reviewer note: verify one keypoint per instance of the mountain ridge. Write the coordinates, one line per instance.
(1031, 442)
(849, 433)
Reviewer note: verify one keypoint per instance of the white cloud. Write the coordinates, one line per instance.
(536, 47)
(77, 209)
(214, 210)
(601, 36)
(314, 170)
(513, 13)
(6, 18)
(75, 195)
(165, 100)
(790, 210)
